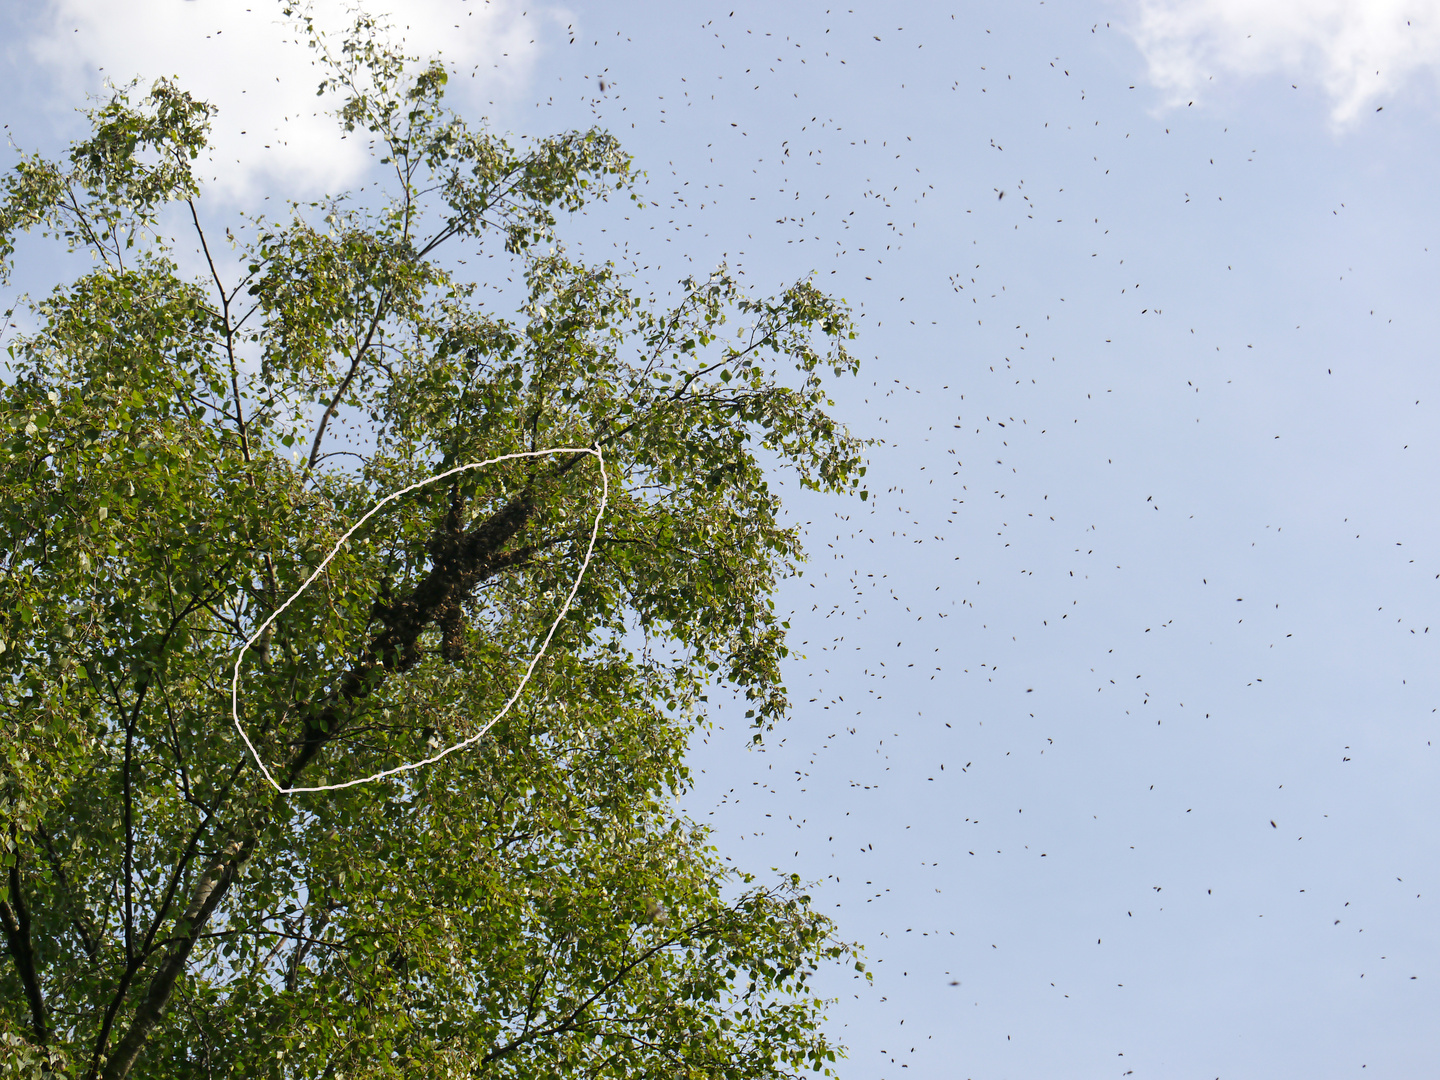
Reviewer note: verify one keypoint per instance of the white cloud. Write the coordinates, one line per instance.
(244, 58)
(1359, 51)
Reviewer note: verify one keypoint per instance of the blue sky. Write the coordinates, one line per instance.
(1113, 731)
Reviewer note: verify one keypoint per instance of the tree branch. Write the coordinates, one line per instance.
(88, 940)
(162, 909)
(360, 352)
(229, 331)
(214, 883)
(129, 822)
(698, 930)
(15, 918)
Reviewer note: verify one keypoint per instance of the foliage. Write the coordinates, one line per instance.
(533, 907)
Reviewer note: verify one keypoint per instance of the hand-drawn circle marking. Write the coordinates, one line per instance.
(529, 670)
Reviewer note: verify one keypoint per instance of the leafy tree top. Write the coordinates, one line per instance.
(534, 906)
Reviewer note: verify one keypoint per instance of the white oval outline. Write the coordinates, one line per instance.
(530, 670)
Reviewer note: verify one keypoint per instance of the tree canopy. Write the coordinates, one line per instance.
(532, 906)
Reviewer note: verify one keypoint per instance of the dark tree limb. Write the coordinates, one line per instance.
(15, 919)
(459, 565)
